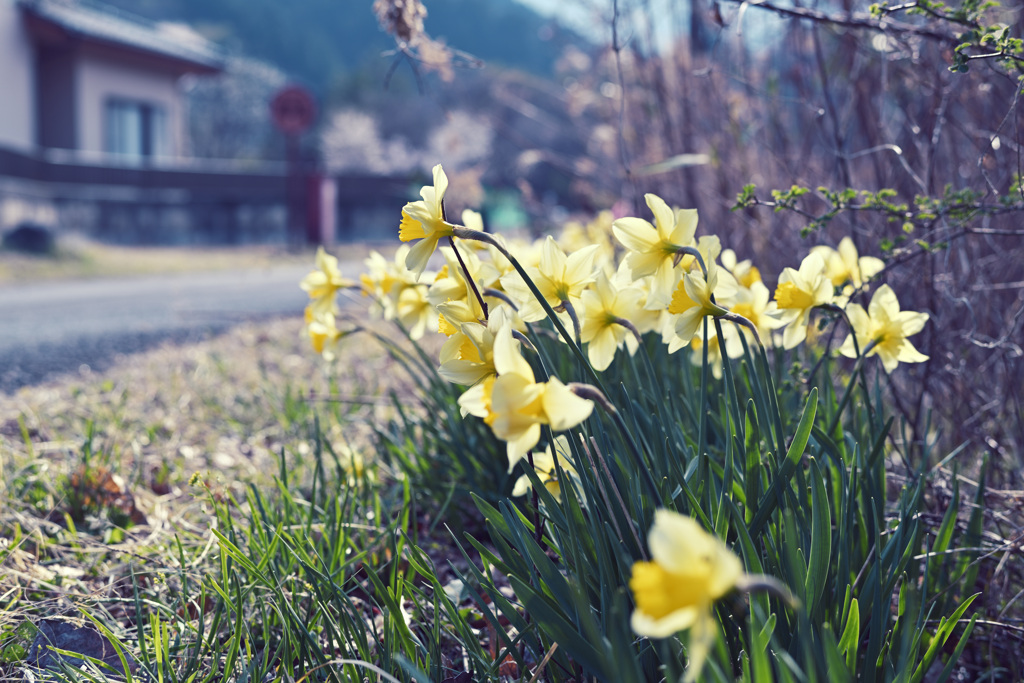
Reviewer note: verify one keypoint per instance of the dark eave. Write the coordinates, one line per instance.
(59, 24)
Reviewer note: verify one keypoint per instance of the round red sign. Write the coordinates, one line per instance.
(293, 110)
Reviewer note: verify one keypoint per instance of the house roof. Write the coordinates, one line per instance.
(63, 21)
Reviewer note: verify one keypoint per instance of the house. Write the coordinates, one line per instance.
(79, 76)
(93, 141)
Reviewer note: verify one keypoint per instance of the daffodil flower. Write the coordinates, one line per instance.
(384, 280)
(692, 302)
(559, 278)
(676, 590)
(745, 272)
(844, 265)
(544, 465)
(414, 311)
(451, 284)
(323, 283)
(754, 304)
(643, 318)
(453, 314)
(323, 332)
(424, 220)
(652, 249)
(797, 293)
(606, 325)
(515, 405)
(883, 329)
(468, 356)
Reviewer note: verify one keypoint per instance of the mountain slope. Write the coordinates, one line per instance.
(319, 40)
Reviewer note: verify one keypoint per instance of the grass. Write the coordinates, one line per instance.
(164, 437)
(211, 503)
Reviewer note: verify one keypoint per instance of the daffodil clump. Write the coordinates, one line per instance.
(611, 286)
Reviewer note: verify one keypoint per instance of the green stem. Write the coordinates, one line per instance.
(571, 312)
(691, 251)
(538, 530)
(597, 396)
(702, 435)
(469, 280)
(773, 403)
(730, 384)
(848, 392)
(604, 494)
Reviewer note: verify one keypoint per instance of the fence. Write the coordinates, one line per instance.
(191, 202)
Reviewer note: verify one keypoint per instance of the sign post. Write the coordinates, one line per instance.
(293, 111)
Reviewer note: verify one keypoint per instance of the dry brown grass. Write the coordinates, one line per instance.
(154, 437)
(225, 405)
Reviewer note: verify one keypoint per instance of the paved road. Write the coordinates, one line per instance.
(56, 327)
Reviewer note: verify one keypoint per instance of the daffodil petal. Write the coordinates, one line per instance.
(563, 408)
(636, 234)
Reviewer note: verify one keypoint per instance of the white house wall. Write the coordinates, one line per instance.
(17, 96)
(100, 79)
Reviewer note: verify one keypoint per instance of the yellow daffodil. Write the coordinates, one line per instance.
(414, 311)
(544, 465)
(745, 272)
(752, 302)
(576, 236)
(515, 405)
(884, 328)
(385, 281)
(450, 283)
(676, 590)
(453, 314)
(323, 283)
(845, 266)
(797, 293)
(691, 301)
(606, 312)
(643, 318)
(424, 220)
(558, 277)
(652, 249)
(323, 333)
(468, 356)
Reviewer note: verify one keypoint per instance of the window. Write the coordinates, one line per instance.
(135, 130)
